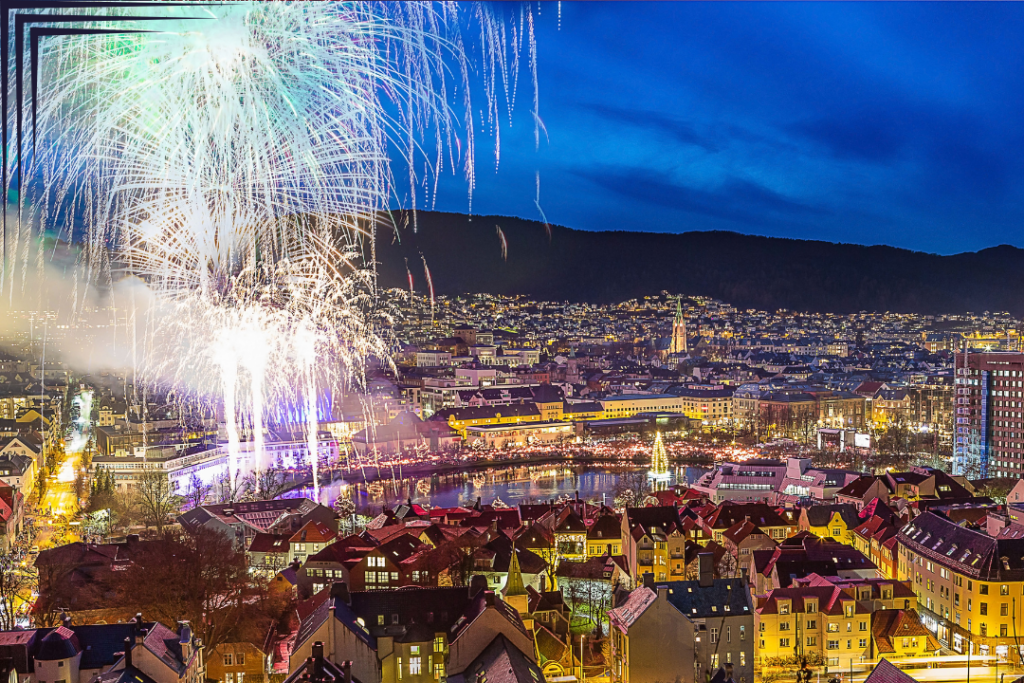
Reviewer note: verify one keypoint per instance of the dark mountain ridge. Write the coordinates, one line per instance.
(464, 255)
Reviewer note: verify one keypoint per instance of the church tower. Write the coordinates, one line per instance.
(515, 591)
(678, 344)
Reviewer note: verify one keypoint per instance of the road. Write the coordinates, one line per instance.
(948, 668)
(59, 504)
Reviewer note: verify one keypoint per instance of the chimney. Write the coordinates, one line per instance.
(132, 539)
(127, 652)
(649, 580)
(339, 590)
(489, 598)
(140, 636)
(728, 671)
(346, 669)
(476, 584)
(185, 640)
(543, 583)
(706, 569)
(318, 651)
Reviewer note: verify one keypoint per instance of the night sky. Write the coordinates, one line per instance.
(872, 123)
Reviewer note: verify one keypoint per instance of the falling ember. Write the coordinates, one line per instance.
(408, 274)
(306, 343)
(430, 283)
(503, 241)
(547, 226)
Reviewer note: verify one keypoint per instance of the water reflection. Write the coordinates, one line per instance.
(512, 485)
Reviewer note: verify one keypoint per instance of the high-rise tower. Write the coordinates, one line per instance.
(678, 344)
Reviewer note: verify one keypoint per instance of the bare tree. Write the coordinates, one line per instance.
(201, 577)
(157, 501)
(124, 506)
(197, 492)
(265, 485)
(632, 488)
(15, 587)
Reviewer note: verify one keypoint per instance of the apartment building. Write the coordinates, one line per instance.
(832, 619)
(989, 440)
(969, 584)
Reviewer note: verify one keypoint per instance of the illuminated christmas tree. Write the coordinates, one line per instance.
(659, 459)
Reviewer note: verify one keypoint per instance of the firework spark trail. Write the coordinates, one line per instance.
(430, 284)
(235, 159)
(503, 241)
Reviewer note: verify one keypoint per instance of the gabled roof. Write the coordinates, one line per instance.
(269, 543)
(571, 524)
(723, 598)
(625, 615)
(728, 514)
(886, 672)
(500, 662)
(128, 674)
(605, 527)
(821, 515)
(858, 487)
(741, 531)
(314, 532)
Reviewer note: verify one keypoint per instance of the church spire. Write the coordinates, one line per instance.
(515, 591)
(514, 585)
(678, 344)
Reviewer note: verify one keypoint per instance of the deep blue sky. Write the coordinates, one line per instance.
(873, 123)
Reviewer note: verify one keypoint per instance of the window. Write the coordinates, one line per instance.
(1004, 590)
(783, 642)
(714, 635)
(743, 658)
(783, 626)
(415, 666)
(863, 626)
(394, 619)
(438, 671)
(1004, 610)
(983, 589)
(239, 676)
(833, 628)
(714, 661)
(833, 645)
(380, 620)
(399, 668)
(863, 642)
(983, 606)
(812, 641)
(812, 624)
(240, 659)
(229, 659)
(439, 644)
(394, 576)
(728, 634)
(229, 677)
(743, 633)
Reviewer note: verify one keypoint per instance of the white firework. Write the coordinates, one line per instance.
(236, 157)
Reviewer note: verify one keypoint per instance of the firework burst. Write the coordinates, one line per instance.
(237, 159)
